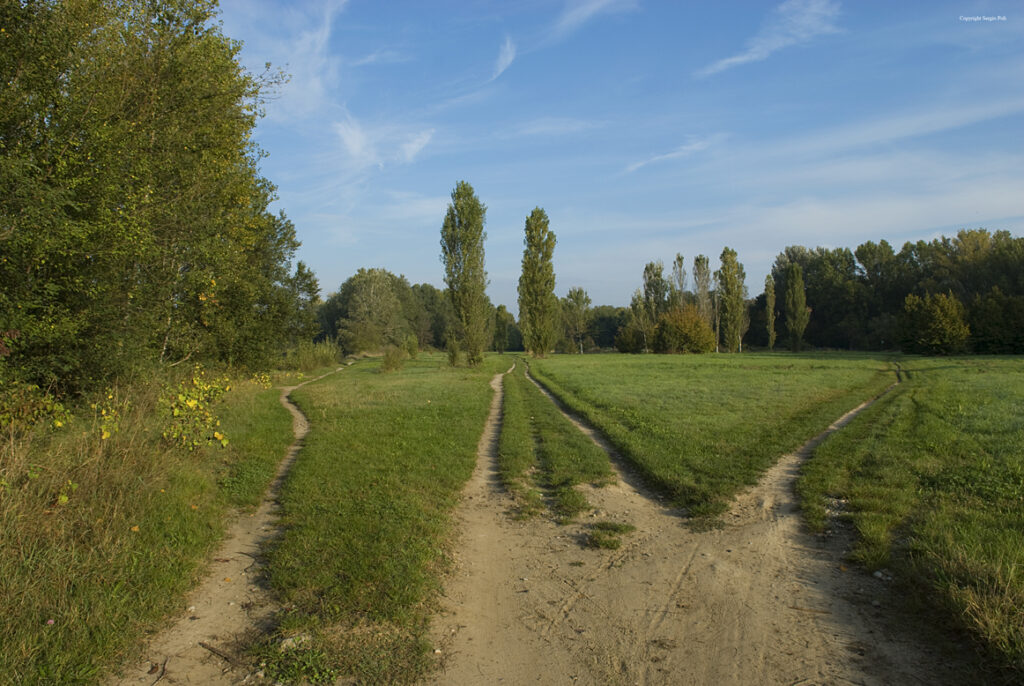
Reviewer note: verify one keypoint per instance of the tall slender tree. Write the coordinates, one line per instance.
(769, 309)
(462, 251)
(702, 288)
(538, 304)
(730, 284)
(797, 312)
(677, 285)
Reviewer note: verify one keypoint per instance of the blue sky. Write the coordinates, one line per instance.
(644, 128)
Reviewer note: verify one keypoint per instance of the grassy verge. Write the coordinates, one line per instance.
(539, 446)
(104, 525)
(933, 480)
(703, 427)
(366, 517)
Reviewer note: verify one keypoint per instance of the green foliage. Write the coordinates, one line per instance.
(411, 346)
(504, 323)
(683, 330)
(307, 355)
(769, 309)
(22, 405)
(188, 411)
(934, 325)
(732, 292)
(393, 360)
(702, 287)
(797, 312)
(104, 536)
(462, 252)
(630, 338)
(576, 312)
(135, 225)
(932, 477)
(538, 304)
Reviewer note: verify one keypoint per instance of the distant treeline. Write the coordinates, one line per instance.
(134, 223)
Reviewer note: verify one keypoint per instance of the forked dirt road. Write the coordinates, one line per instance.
(757, 601)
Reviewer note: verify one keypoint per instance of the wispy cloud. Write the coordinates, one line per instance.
(506, 56)
(694, 145)
(792, 23)
(556, 126)
(579, 12)
(380, 57)
(377, 146)
(412, 147)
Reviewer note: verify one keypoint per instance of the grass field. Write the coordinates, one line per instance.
(701, 427)
(366, 516)
(541, 448)
(103, 525)
(933, 480)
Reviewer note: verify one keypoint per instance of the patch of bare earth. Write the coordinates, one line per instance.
(203, 645)
(756, 601)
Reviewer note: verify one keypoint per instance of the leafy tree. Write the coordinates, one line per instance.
(702, 287)
(732, 293)
(503, 323)
(797, 312)
(606, 320)
(769, 309)
(677, 284)
(538, 304)
(576, 310)
(656, 289)
(373, 314)
(683, 330)
(643, 319)
(462, 252)
(934, 325)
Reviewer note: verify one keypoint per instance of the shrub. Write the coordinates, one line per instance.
(394, 358)
(683, 331)
(934, 325)
(412, 346)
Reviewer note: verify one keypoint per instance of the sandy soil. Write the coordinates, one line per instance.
(757, 601)
(201, 646)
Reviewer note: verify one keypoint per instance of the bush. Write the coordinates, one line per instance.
(452, 348)
(394, 359)
(683, 331)
(308, 355)
(412, 346)
(629, 340)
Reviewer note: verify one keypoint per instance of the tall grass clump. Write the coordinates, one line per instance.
(307, 355)
(933, 479)
(105, 522)
(700, 428)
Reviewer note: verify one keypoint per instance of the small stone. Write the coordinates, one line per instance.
(876, 603)
(878, 574)
(437, 651)
(191, 608)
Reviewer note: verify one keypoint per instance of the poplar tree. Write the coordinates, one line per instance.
(462, 251)
(677, 286)
(733, 291)
(769, 309)
(797, 312)
(702, 287)
(538, 304)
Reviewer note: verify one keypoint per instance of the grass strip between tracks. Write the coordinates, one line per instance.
(540, 447)
(366, 516)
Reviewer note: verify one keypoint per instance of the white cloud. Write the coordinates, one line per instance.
(791, 23)
(376, 146)
(579, 12)
(505, 57)
(412, 147)
(380, 57)
(694, 145)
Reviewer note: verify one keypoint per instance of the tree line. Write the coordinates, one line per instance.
(950, 295)
(134, 223)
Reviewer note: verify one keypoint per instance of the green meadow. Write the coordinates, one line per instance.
(932, 479)
(702, 427)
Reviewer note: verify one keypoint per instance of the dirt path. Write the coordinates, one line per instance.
(201, 647)
(758, 601)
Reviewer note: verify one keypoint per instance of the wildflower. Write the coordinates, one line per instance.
(49, 622)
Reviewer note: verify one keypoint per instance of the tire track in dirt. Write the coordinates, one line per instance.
(232, 604)
(758, 600)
